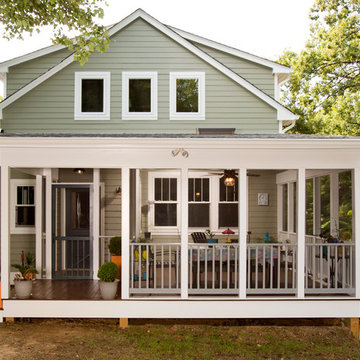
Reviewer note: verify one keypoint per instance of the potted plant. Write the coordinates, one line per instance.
(210, 235)
(108, 282)
(23, 279)
(115, 250)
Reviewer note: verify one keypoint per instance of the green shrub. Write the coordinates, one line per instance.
(107, 272)
(115, 245)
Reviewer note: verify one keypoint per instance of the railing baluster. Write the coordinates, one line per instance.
(343, 267)
(272, 267)
(286, 266)
(213, 267)
(321, 269)
(336, 266)
(162, 267)
(205, 259)
(256, 267)
(221, 266)
(228, 267)
(198, 268)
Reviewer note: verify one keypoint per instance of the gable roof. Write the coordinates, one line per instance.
(282, 111)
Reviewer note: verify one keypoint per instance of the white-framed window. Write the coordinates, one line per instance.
(187, 96)
(22, 206)
(210, 203)
(92, 95)
(139, 95)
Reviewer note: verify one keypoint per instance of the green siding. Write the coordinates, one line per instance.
(49, 108)
(259, 75)
(20, 75)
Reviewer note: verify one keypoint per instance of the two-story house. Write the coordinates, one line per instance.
(164, 136)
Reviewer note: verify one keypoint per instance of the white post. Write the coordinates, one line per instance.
(279, 208)
(48, 221)
(243, 219)
(301, 198)
(184, 232)
(356, 227)
(138, 203)
(96, 221)
(316, 206)
(334, 204)
(125, 231)
(38, 225)
(5, 234)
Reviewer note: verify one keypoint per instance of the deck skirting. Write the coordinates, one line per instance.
(173, 308)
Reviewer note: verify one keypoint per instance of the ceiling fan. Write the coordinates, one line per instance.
(235, 173)
(229, 176)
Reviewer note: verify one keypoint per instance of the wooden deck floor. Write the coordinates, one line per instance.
(65, 290)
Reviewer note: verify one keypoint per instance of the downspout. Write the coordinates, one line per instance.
(293, 122)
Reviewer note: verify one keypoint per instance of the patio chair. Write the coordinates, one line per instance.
(199, 237)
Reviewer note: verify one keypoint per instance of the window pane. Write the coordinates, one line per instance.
(205, 194)
(187, 95)
(25, 215)
(285, 208)
(165, 190)
(199, 215)
(309, 213)
(228, 193)
(191, 193)
(158, 189)
(345, 206)
(31, 195)
(139, 95)
(92, 95)
(228, 215)
(173, 189)
(165, 214)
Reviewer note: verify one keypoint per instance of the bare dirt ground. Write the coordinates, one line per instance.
(102, 339)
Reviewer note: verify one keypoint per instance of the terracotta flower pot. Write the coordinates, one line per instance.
(116, 259)
(23, 288)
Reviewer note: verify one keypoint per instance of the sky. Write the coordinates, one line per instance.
(262, 27)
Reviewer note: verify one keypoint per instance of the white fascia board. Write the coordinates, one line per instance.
(4, 66)
(35, 83)
(277, 68)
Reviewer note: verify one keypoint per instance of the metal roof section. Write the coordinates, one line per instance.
(283, 113)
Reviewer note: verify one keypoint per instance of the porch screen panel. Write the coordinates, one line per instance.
(345, 206)
(228, 205)
(285, 207)
(309, 212)
(165, 190)
(325, 204)
(199, 202)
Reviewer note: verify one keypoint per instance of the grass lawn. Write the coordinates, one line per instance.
(102, 339)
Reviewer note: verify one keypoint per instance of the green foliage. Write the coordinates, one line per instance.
(19, 16)
(325, 84)
(187, 95)
(115, 245)
(107, 272)
(26, 268)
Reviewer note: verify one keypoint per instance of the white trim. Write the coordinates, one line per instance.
(14, 184)
(243, 226)
(48, 222)
(200, 115)
(277, 68)
(184, 214)
(283, 112)
(126, 114)
(356, 227)
(125, 231)
(96, 221)
(38, 224)
(301, 198)
(98, 75)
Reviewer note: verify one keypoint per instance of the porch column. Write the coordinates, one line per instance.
(184, 232)
(96, 221)
(334, 204)
(48, 216)
(243, 219)
(125, 231)
(291, 206)
(301, 198)
(356, 227)
(38, 225)
(5, 233)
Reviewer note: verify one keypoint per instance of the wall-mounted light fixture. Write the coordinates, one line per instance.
(79, 171)
(118, 191)
(181, 151)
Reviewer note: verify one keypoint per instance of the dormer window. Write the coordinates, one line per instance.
(139, 95)
(92, 96)
(187, 96)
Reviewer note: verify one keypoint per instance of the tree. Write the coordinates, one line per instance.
(325, 84)
(19, 16)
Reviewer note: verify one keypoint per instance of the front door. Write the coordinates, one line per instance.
(71, 240)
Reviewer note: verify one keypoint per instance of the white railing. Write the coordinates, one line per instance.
(155, 268)
(329, 268)
(271, 268)
(213, 268)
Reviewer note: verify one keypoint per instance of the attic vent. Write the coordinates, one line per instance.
(216, 131)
